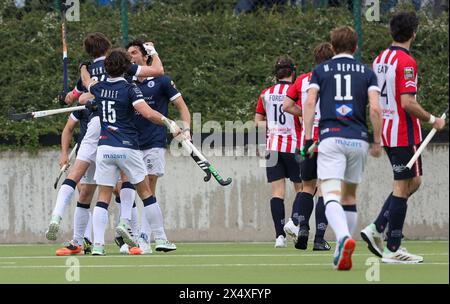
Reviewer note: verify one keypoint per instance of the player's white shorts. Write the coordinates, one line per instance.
(88, 177)
(155, 161)
(342, 158)
(110, 160)
(88, 146)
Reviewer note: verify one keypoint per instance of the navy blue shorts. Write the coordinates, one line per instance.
(282, 165)
(308, 168)
(399, 158)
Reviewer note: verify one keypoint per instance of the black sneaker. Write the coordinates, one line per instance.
(87, 246)
(302, 239)
(321, 245)
(119, 241)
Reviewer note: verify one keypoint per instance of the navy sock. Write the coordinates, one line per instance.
(296, 209)
(397, 215)
(321, 219)
(70, 182)
(383, 217)
(149, 200)
(277, 208)
(102, 205)
(306, 209)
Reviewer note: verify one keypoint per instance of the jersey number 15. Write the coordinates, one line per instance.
(109, 113)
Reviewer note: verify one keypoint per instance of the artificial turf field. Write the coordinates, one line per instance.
(224, 263)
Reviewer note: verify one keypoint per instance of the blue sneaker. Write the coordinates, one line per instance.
(343, 261)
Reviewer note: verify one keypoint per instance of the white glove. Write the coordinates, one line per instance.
(150, 49)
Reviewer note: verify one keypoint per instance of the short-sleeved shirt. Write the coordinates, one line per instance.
(343, 85)
(396, 71)
(115, 99)
(283, 129)
(158, 93)
(298, 93)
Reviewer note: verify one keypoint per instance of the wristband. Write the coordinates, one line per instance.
(432, 119)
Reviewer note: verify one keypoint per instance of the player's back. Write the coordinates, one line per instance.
(115, 98)
(396, 71)
(283, 129)
(343, 85)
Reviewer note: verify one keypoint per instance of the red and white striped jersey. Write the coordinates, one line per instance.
(299, 92)
(283, 129)
(396, 71)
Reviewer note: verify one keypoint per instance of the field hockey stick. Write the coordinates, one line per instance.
(31, 115)
(64, 44)
(424, 144)
(66, 166)
(198, 157)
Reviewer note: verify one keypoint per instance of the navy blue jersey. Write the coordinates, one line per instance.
(158, 93)
(115, 98)
(343, 85)
(98, 72)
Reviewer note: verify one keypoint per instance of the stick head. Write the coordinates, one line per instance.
(20, 116)
(225, 182)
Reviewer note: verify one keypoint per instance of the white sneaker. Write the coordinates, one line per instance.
(144, 244)
(280, 242)
(164, 245)
(374, 240)
(52, 232)
(401, 256)
(125, 249)
(291, 230)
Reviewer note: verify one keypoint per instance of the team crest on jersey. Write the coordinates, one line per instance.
(409, 73)
(151, 84)
(344, 110)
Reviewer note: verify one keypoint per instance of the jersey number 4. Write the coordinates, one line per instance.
(348, 87)
(109, 113)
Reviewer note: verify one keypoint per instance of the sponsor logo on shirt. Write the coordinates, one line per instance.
(344, 110)
(409, 73)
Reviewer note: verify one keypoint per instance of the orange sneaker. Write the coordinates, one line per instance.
(344, 259)
(71, 248)
(135, 251)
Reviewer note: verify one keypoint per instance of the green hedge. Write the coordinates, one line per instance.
(220, 62)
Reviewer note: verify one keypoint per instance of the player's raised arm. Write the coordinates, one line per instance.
(154, 70)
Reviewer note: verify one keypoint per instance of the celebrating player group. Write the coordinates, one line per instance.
(318, 137)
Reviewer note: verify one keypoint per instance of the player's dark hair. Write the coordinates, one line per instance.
(117, 63)
(140, 45)
(96, 44)
(284, 67)
(323, 52)
(403, 26)
(344, 40)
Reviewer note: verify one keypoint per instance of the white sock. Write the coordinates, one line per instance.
(127, 196)
(352, 218)
(155, 219)
(88, 231)
(134, 221)
(80, 222)
(100, 221)
(336, 219)
(64, 197)
(145, 226)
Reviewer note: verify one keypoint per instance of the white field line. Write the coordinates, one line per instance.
(188, 265)
(200, 256)
(225, 243)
